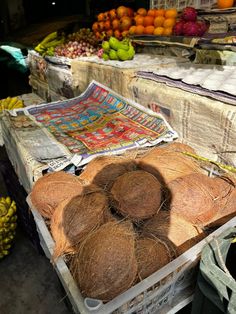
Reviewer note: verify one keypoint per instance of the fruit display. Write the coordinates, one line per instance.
(115, 49)
(82, 43)
(123, 21)
(48, 44)
(189, 25)
(10, 103)
(115, 22)
(8, 224)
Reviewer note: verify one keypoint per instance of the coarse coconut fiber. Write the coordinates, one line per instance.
(167, 165)
(197, 197)
(75, 218)
(152, 254)
(179, 234)
(103, 170)
(106, 264)
(53, 188)
(136, 195)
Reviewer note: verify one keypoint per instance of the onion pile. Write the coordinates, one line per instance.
(82, 43)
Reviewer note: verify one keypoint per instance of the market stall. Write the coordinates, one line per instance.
(107, 182)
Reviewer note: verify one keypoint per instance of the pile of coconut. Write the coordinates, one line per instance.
(122, 219)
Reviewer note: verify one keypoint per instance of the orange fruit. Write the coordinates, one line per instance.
(160, 12)
(138, 19)
(224, 4)
(158, 31)
(167, 31)
(170, 22)
(159, 20)
(149, 30)
(142, 11)
(139, 30)
(148, 20)
(172, 13)
(117, 34)
(132, 30)
(151, 12)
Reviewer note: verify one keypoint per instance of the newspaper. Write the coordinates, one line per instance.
(207, 125)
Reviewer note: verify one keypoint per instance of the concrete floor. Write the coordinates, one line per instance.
(28, 283)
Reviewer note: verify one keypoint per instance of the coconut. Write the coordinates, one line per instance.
(136, 195)
(227, 200)
(52, 189)
(179, 147)
(106, 264)
(177, 233)
(151, 254)
(73, 219)
(167, 165)
(196, 197)
(103, 170)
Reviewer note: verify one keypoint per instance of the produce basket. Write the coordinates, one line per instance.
(180, 4)
(165, 291)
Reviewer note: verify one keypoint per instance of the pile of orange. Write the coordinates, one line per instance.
(158, 22)
(123, 21)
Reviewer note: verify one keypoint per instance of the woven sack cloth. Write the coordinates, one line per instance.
(216, 287)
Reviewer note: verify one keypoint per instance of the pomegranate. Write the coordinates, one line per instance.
(189, 14)
(178, 28)
(190, 29)
(121, 11)
(125, 23)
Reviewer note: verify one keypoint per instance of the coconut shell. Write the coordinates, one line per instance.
(136, 195)
(73, 219)
(53, 188)
(151, 254)
(106, 264)
(103, 170)
(179, 234)
(197, 197)
(167, 165)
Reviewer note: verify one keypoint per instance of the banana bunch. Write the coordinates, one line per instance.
(48, 44)
(7, 224)
(10, 103)
(115, 49)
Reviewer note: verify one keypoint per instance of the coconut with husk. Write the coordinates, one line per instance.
(151, 254)
(103, 170)
(106, 264)
(179, 147)
(197, 197)
(75, 218)
(136, 195)
(176, 232)
(167, 165)
(53, 188)
(227, 201)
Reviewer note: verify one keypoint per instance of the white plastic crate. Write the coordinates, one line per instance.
(180, 4)
(166, 291)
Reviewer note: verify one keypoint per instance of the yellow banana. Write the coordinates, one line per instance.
(8, 200)
(12, 102)
(19, 104)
